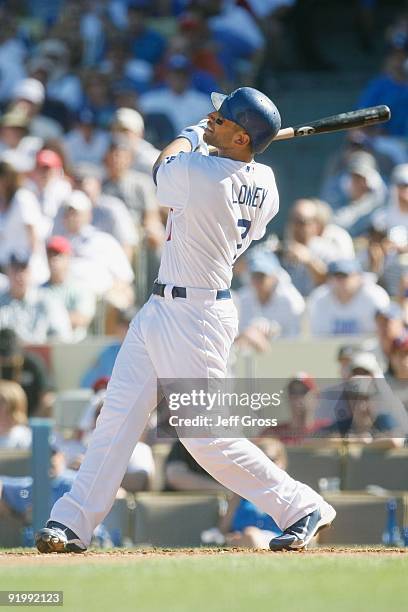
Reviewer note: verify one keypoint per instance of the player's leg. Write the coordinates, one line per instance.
(200, 335)
(131, 396)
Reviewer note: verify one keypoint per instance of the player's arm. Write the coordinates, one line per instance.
(179, 145)
(190, 139)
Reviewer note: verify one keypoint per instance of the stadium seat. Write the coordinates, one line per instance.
(174, 519)
(309, 465)
(69, 407)
(15, 462)
(387, 469)
(361, 519)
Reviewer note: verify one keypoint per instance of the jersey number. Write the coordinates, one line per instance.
(246, 225)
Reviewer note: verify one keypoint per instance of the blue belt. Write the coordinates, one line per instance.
(181, 292)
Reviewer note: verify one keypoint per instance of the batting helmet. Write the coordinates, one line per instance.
(253, 111)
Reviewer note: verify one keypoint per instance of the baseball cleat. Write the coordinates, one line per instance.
(56, 537)
(298, 535)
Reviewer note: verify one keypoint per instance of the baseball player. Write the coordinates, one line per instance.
(218, 205)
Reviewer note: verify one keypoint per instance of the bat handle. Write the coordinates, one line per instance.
(284, 134)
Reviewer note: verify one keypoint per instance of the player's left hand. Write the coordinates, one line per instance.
(195, 133)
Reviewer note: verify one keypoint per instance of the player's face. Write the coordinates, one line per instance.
(222, 133)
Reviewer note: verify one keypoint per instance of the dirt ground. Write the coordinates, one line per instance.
(27, 557)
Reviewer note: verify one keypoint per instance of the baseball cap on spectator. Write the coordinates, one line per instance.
(78, 200)
(48, 159)
(31, 90)
(128, 119)
(346, 351)
(344, 267)
(301, 383)
(363, 360)
(15, 118)
(19, 260)
(59, 244)
(400, 175)
(179, 62)
(263, 263)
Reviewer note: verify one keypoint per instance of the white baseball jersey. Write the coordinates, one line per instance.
(329, 317)
(217, 207)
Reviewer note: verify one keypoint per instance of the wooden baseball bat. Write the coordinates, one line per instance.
(363, 117)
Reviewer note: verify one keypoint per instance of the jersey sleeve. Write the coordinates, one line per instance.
(173, 184)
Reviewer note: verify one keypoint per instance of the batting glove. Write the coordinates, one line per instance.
(194, 134)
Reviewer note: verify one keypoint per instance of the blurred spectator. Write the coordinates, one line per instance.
(21, 222)
(16, 493)
(35, 316)
(364, 410)
(15, 138)
(270, 296)
(128, 123)
(86, 142)
(109, 214)
(12, 56)
(40, 68)
(177, 100)
(98, 98)
(28, 97)
(305, 254)
(77, 299)
(338, 237)
(62, 84)
(395, 214)
(103, 366)
(135, 189)
(183, 473)
(389, 325)
(390, 88)
(344, 358)
(364, 194)
(236, 34)
(14, 432)
(195, 42)
(397, 378)
(382, 257)
(29, 370)
(140, 469)
(302, 424)
(49, 185)
(144, 42)
(347, 303)
(98, 260)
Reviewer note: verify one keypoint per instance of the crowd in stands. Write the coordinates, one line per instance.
(89, 92)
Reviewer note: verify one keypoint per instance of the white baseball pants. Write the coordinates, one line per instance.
(174, 338)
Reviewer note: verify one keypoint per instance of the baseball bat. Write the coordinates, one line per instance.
(363, 117)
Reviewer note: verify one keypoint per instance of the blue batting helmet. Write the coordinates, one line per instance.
(253, 111)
